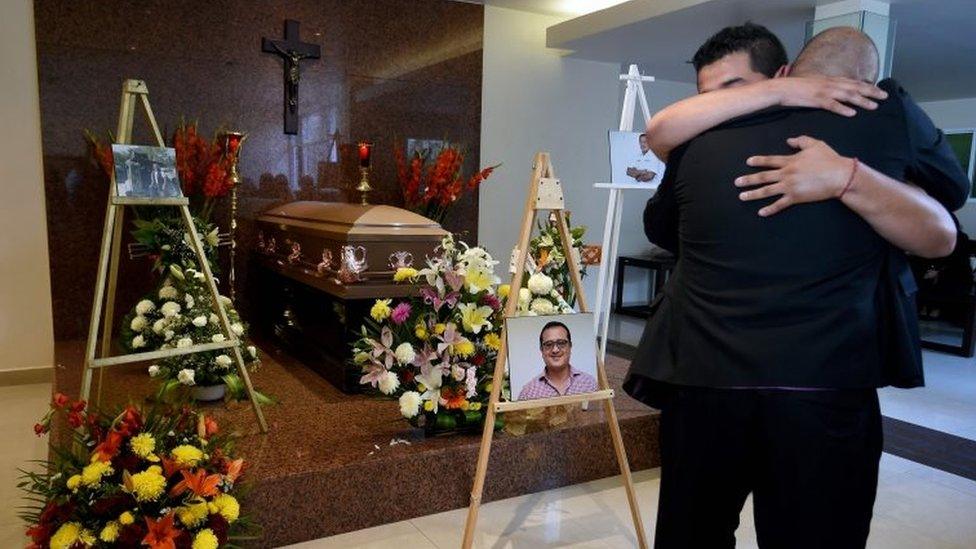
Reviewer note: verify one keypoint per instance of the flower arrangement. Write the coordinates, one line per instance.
(550, 260)
(164, 478)
(180, 313)
(436, 352)
(431, 189)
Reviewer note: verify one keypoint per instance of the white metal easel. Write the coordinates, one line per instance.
(611, 227)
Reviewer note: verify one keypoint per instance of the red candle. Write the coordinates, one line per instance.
(365, 150)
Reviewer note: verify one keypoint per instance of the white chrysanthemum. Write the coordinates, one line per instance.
(200, 321)
(153, 370)
(168, 334)
(170, 309)
(253, 351)
(138, 342)
(145, 307)
(214, 319)
(540, 284)
(405, 353)
(524, 297)
(190, 302)
(168, 292)
(526, 312)
(159, 326)
(217, 338)
(541, 306)
(183, 342)
(389, 383)
(224, 361)
(186, 376)
(138, 323)
(409, 404)
(237, 328)
(225, 300)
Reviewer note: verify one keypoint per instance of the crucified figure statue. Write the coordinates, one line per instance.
(293, 74)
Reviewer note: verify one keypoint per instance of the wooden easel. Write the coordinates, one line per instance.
(108, 267)
(545, 193)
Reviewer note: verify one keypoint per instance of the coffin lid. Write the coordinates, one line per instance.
(351, 218)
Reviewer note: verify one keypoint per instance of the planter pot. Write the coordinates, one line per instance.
(208, 393)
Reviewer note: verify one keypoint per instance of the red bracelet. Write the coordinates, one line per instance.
(850, 181)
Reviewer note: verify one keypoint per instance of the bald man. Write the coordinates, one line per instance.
(765, 349)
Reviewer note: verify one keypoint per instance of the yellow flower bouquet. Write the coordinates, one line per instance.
(162, 477)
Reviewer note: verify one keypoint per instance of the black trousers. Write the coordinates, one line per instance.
(810, 459)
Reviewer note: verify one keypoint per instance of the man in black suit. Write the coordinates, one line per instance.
(765, 349)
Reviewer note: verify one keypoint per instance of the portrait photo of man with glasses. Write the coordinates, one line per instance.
(558, 376)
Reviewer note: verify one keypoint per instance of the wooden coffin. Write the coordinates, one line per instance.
(320, 267)
(323, 244)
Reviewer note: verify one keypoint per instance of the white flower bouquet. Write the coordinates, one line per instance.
(180, 314)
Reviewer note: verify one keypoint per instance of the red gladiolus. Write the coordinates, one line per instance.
(60, 400)
(39, 429)
(78, 406)
(75, 419)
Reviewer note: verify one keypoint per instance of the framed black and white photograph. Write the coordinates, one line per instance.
(551, 356)
(145, 172)
(632, 161)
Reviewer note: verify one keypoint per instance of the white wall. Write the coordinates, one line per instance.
(951, 115)
(534, 99)
(26, 329)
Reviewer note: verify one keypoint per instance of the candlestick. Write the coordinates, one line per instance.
(365, 152)
(233, 141)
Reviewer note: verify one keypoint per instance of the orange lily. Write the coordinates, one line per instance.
(234, 469)
(198, 482)
(162, 534)
(169, 466)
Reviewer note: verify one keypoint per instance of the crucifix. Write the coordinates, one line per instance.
(292, 51)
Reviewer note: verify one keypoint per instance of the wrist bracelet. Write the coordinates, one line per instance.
(850, 180)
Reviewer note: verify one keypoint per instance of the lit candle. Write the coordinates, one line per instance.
(365, 150)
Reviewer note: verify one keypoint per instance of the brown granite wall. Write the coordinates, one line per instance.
(391, 70)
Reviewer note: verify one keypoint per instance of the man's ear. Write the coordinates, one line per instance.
(783, 71)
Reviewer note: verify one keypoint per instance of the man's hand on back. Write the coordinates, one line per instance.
(832, 94)
(813, 174)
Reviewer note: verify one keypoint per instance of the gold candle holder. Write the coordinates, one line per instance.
(365, 152)
(233, 141)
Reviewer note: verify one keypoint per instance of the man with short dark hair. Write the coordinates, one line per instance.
(558, 376)
(645, 166)
(738, 55)
(765, 348)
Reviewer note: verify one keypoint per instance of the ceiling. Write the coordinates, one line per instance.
(935, 43)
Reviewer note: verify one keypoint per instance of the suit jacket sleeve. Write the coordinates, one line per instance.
(933, 166)
(661, 212)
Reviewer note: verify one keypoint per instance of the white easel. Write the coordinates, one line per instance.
(611, 227)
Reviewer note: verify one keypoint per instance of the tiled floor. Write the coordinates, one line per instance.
(917, 506)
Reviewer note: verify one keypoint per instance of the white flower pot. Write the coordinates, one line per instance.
(207, 393)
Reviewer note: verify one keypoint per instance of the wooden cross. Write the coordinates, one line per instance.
(293, 51)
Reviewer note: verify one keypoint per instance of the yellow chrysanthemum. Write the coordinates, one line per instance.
(205, 539)
(429, 405)
(126, 518)
(143, 445)
(92, 474)
(404, 273)
(110, 533)
(66, 536)
(227, 506)
(421, 333)
(474, 406)
(87, 538)
(380, 310)
(493, 342)
(464, 349)
(187, 455)
(193, 514)
(503, 290)
(74, 482)
(439, 328)
(149, 484)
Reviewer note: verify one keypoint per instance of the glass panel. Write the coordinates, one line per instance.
(962, 145)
